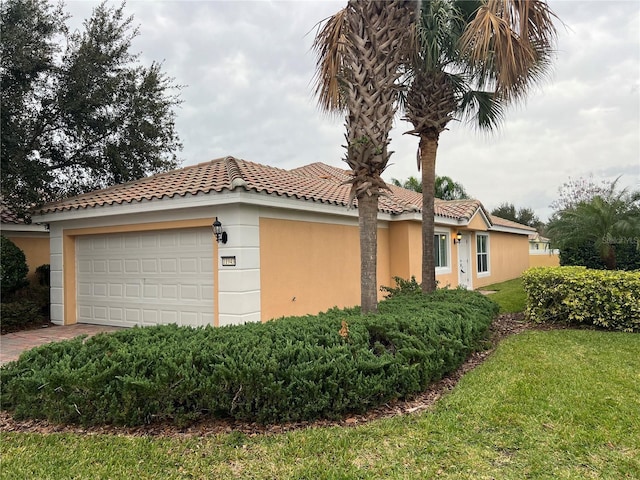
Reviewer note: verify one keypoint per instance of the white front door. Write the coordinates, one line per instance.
(146, 278)
(464, 262)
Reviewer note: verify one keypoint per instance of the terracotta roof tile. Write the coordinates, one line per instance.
(8, 216)
(317, 182)
(464, 209)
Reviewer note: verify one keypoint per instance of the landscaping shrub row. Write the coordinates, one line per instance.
(290, 369)
(609, 299)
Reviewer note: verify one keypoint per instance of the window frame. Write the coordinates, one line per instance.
(439, 240)
(486, 255)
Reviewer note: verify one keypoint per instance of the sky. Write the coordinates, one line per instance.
(247, 71)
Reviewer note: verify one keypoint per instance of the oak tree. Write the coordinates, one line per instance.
(78, 109)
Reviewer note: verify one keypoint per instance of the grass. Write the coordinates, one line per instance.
(556, 404)
(509, 295)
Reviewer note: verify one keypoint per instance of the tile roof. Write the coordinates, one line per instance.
(536, 237)
(8, 216)
(503, 222)
(317, 182)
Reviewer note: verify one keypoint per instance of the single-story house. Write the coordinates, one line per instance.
(31, 238)
(144, 252)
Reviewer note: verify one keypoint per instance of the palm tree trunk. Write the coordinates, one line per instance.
(368, 220)
(610, 258)
(428, 150)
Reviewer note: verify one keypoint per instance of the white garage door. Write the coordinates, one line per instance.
(146, 278)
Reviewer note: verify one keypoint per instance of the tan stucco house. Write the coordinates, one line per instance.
(144, 252)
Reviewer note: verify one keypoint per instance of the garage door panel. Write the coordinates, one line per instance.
(98, 243)
(148, 241)
(114, 242)
(84, 289)
(100, 313)
(168, 265)
(115, 266)
(115, 290)
(131, 265)
(149, 265)
(100, 290)
(189, 265)
(146, 278)
(115, 314)
(150, 292)
(132, 290)
(99, 266)
(84, 266)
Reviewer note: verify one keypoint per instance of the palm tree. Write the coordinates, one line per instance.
(411, 183)
(471, 59)
(359, 53)
(445, 188)
(603, 222)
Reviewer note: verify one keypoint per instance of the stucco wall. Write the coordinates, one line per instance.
(405, 254)
(308, 267)
(477, 223)
(35, 248)
(545, 259)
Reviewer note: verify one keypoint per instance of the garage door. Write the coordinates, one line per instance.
(146, 278)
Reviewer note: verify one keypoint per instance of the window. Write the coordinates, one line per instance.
(482, 250)
(440, 249)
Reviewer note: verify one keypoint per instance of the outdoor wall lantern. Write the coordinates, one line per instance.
(457, 238)
(221, 236)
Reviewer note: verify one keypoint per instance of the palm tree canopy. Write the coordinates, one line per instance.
(359, 53)
(509, 44)
(472, 58)
(603, 221)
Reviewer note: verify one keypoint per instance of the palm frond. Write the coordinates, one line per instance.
(437, 35)
(484, 110)
(329, 46)
(510, 44)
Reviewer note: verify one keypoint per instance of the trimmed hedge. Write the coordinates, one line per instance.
(609, 299)
(290, 369)
(586, 254)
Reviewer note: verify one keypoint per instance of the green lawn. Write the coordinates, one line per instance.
(509, 295)
(556, 404)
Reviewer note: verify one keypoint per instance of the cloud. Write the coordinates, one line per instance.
(248, 68)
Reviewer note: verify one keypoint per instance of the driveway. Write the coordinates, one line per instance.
(13, 344)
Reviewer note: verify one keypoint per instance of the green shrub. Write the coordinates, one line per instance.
(403, 287)
(28, 307)
(290, 369)
(609, 299)
(13, 267)
(17, 315)
(43, 272)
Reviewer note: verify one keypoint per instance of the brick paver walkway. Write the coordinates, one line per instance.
(13, 344)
